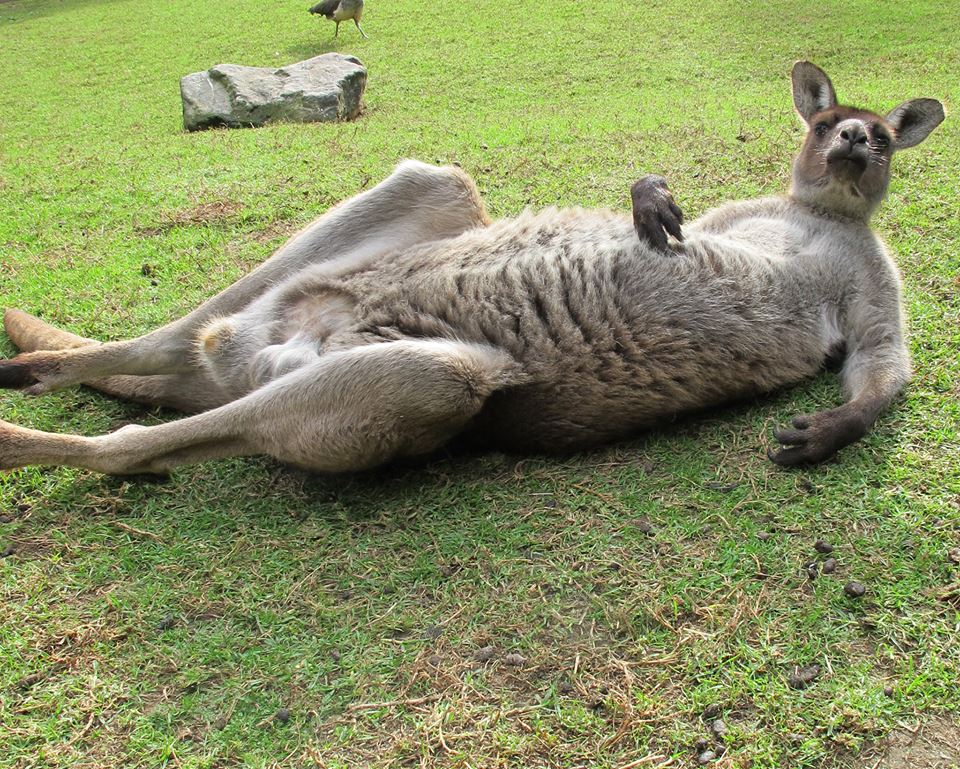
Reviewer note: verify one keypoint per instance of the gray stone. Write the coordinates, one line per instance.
(324, 88)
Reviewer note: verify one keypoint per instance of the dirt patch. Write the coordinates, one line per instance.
(281, 229)
(201, 214)
(933, 744)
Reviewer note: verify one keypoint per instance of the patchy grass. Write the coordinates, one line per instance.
(148, 624)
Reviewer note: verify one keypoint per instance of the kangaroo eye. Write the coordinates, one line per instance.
(821, 129)
(881, 142)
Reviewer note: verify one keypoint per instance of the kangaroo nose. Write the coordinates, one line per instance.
(854, 133)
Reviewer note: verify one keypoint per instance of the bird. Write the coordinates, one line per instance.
(340, 10)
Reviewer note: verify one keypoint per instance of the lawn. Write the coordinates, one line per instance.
(595, 611)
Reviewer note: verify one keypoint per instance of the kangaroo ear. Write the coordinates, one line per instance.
(812, 90)
(914, 120)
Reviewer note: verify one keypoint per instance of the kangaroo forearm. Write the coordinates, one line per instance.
(873, 378)
(871, 381)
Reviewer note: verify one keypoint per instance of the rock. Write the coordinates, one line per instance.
(706, 757)
(719, 729)
(515, 660)
(324, 88)
(823, 547)
(887, 691)
(829, 566)
(282, 715)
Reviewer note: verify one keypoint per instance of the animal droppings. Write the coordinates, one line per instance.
(483, 654)
(719, 729)
(802, 677)
(854, 590)
(643, 525)
(167, 622)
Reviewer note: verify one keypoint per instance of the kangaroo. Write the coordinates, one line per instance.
(404, 317)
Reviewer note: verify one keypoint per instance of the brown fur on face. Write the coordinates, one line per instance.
(848, 149)
(844, 166)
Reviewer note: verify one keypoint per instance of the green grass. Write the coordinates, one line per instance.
(150, 625)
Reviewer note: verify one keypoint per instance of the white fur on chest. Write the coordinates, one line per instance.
(760, 236)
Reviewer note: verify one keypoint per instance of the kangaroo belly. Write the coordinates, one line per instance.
(273, 337)
(610, 336)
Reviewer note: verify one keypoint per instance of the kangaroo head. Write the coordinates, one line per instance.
(844, 165)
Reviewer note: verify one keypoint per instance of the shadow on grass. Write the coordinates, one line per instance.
(320, 45)
(203, 502)
(18, 11)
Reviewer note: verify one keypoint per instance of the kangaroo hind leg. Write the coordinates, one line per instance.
(189, 392)
(351, 410)
(415, 204)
